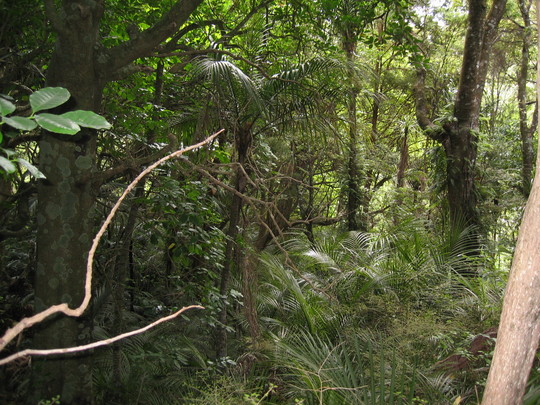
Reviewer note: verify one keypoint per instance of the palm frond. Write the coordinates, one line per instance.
(290, 78)
(230, 80)
(347, 371)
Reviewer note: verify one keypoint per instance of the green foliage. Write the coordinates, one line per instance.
(53, 401)
(68, 123)
(324, 320)
(357, 317)
(227, 390)
(153, 366)
(346, 371)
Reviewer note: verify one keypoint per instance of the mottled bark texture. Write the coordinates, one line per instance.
(66, 198)
(459, 136)
(519, 328)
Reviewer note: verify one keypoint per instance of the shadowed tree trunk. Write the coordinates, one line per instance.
(64, 218)
(243, 139)
(519, 328)
(274, 224)
(66, 198)
(459, 136)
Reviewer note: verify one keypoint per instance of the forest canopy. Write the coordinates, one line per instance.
(343, 233)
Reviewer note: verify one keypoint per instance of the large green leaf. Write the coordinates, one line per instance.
(34, 171)
(6, 107)
(7, 165)
(57, 123)
(49, 97)
(22, 123)
(87, 119)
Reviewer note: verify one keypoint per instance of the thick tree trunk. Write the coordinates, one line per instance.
(461, 154)
(65, 209)
(65, 200)
(519, 328)
(461, 148)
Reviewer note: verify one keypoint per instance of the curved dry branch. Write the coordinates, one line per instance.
(99, 343)
(26, 323)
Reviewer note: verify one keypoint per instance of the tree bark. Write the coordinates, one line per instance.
(353, 170)
(65, 201)
(519, 328)
(65, 217)
(526, 130)
(459, 137)
(243, 139)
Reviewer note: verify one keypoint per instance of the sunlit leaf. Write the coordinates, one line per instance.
(22, 123)
(34, 171)
(87, 119)
(9, 152)
(6, 107)
(57, 124)
(7, 165)
(48, 97)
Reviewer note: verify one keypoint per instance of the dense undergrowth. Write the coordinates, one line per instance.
(384, 317)
(356, 318)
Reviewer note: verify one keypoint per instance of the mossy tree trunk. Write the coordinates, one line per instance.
(459, 136)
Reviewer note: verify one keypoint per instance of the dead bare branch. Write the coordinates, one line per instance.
(26, 323)
(99, 343)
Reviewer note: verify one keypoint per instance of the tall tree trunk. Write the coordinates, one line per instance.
(526, 130)
(459, 137)
(65, 199)
(65, 209)
(519, 328)
(461, 148)
(243, 139)
(353, 170)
